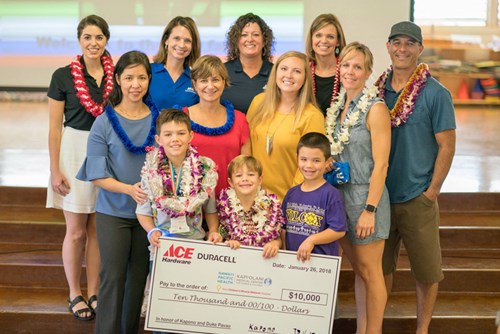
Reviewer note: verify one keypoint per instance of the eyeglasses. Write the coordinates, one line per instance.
(398, 44)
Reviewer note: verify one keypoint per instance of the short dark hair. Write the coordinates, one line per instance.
(315, 140)
(172, 115)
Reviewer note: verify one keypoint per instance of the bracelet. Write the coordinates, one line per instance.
(151, 232)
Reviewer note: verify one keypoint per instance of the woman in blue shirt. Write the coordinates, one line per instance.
(179, 48)
(249, 44)
(115, 154)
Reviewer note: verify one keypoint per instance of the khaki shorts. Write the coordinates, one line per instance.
(416, 222)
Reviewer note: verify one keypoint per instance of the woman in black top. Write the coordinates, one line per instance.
(77, 94)
(325, 41)
(249, 47)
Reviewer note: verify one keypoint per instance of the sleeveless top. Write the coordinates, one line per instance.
(358, 152)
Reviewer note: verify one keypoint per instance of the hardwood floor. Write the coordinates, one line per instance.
(24, 159)
(33, 289)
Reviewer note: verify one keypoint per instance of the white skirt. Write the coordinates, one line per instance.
(82, 195)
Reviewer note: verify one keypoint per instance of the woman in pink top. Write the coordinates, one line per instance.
(220, 132)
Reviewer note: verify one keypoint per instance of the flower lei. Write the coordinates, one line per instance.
(405, 105)
(341, 138)
(219, 130)
(93, 108)
(266, 214)
(122, 135)
(336, 80)
(199, 178)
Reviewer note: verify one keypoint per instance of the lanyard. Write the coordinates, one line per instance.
(176, 181)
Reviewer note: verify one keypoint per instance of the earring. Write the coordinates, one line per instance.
(337, 50)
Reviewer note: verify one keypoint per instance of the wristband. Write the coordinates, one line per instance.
(151, 232)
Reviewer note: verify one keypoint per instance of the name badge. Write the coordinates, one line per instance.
(179, 225)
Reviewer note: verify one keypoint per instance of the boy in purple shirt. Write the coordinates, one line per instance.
(314, 211)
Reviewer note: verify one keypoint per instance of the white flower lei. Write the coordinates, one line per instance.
(199, 178)
(340, 139)
(267, 217)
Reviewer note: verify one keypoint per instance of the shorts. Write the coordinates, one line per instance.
(355, 200)
(416, 222)
(82, 195)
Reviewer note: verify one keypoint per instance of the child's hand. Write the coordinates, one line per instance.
(214, 237)
(329, 165)
(304, 251)
(271, 249)
(234, 244)
(154, 240)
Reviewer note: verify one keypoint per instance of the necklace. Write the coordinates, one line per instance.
(195, 183)
(122, 135)
(340, 138)
(270, 138)
(336, 80)
(131, 115)
(405, 104)
(219, 130)
(261, 224)
(92, 107)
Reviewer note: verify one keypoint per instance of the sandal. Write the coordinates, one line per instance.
(78, 314)
(92, 299)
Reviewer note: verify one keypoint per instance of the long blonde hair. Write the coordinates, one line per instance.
(272, 95)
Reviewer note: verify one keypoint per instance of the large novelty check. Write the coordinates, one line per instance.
(198, 287)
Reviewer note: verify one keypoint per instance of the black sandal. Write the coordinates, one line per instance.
(91, 300)
(78, 314)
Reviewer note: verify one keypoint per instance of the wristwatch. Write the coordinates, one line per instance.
(370, 208)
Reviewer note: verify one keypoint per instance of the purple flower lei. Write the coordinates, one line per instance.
(192, 181)
(231, 217)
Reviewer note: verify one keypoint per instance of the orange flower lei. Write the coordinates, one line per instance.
(406, 101)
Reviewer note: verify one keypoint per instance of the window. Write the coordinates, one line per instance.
(498, 14)
(451, 12)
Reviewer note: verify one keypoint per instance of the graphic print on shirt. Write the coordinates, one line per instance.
(303, 219)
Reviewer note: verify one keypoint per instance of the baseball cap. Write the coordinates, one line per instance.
(406, 28)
